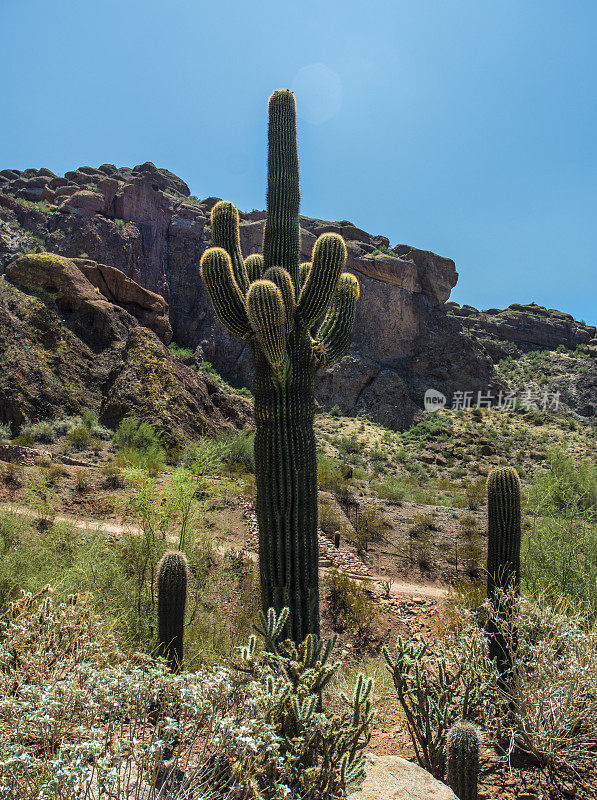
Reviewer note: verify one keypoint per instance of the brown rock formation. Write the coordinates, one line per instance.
(65, 346)
(144, 222)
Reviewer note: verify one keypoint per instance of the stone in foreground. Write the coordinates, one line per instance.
(394, 778)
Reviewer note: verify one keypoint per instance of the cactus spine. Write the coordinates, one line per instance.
(274, 303)
(172, 578)
(462, 745)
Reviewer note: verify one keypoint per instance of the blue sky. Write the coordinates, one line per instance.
(462, 127)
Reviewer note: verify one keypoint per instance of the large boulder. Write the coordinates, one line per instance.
(394, 778)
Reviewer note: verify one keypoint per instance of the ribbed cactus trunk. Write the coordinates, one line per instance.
(172, 579)
(503, 561)
(274, 303)
(286, 471)
(503, 529)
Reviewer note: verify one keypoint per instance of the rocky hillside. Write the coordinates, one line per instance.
(77, 334)
(144, 222)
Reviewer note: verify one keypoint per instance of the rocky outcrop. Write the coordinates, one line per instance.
(144, 223)
(65, 346)
(521, 328)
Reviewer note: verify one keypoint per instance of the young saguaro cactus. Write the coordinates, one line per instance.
(504, 527)
(462, 745)
(275, 303)
(172, 579)
(503, 563)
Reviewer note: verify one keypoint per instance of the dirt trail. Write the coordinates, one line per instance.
(398, 588)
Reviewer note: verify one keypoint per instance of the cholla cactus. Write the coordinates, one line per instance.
(503, 516)
(325, 750)
(275, 303)
(462, 747)
(172, 578)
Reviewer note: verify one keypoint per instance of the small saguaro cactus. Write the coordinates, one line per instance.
(503, 565)
(462, 757)
(172, 579)
(275, 303)
(504, 527)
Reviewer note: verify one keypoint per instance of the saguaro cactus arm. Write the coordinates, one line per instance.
(267, 316)
(329, 257)
(254, 267)
(335, 332)
(224, 292)
(225, 233)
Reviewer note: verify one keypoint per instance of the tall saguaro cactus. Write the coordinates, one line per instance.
(274, 302)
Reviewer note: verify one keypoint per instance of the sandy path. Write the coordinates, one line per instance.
(398, 588)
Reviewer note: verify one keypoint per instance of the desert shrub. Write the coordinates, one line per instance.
(13, 474)
(135, 434)
(349, 604)
(331, 517)
(566, 484)
(204, 457)
(238, 450)
(79, 437)
(39, 431)
(559, 550)
(5, 431)
(75, 693)
(178, 351)
(82, 480)
(335, 411)
(52, 473)
(434, 426)
(101, 432)
(24, 440)
(390, 488)
(469, 525)
(331, 474)
(422, 524)
(368, 525)
(64, 426)
(475, 493)
(348, 445)
(89, 418)
(139, 446)
(112, 475)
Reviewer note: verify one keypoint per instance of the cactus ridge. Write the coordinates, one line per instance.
(462, 745)
(274, 303)
(171, 582)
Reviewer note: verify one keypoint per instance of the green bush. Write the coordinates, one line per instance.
(39, 432)
(139, 446)
(79, 438)
(335, 411)
(559, 551)
(391, 488)
(349, 605)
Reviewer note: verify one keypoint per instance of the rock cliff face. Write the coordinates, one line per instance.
(144, 222)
